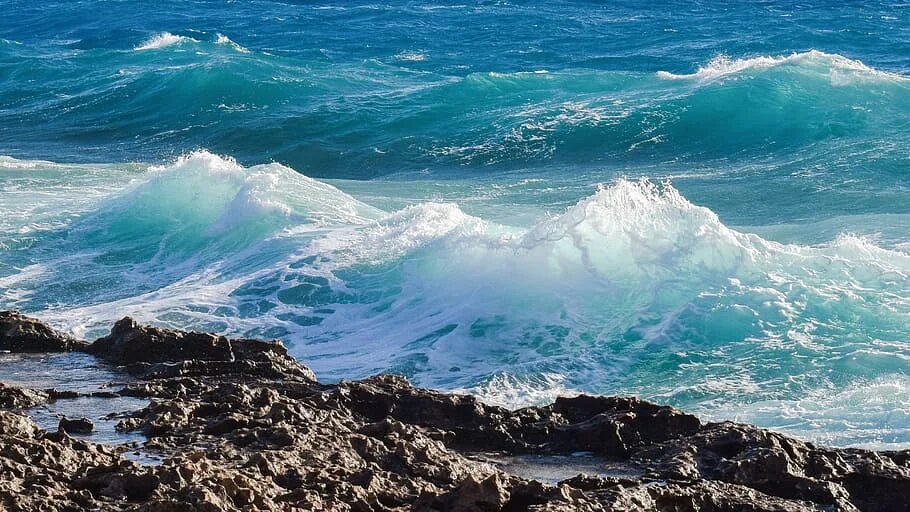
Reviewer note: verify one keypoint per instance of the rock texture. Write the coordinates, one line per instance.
(76, 426)
(19, 333)
(242, 426)
(18, 398)
(157, 353)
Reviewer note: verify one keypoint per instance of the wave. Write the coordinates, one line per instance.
(163, 40)
(839, 67)
(390, 120)
(410, 56)
(176, 220)
(8, 163)
(225, 40)
(631, 274)
(633, 289)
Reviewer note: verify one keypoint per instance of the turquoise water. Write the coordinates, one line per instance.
(706, 206)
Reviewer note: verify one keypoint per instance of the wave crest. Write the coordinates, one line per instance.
(839, 67)
(633, 289)
(163, 40)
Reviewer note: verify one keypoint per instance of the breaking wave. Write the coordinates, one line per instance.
(633, 289)
(838, 67)
(215, 97)
(163, 40)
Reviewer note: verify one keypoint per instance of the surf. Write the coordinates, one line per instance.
(636, 200)
(601, 297)
(808, 102)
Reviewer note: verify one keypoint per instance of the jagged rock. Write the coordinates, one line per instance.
(121, 480)
(17, 398)
(242, 426)
(605, 425)
(150, 349)
(491, 493)
(19, 333)
(37, 468)
(76, 426)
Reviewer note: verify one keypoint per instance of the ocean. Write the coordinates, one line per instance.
(706, 205)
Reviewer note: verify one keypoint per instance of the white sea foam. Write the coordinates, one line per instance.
(225, 40)
(841, 69)
(11, 164)
(868, 413)
(631, 280)
(163, 40)
(411, 56)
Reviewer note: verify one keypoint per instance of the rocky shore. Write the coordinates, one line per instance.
(238, 424)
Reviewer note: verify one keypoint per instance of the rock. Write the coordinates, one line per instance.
(605, 425)
(490, 493)
(16, 398)
(121, 480)
(617, 425)
(242, 426)
(76, 426)
(165, 353)
(19, 333)
(37, 468)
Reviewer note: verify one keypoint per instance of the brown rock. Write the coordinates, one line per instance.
(19, 333)
(242, 426)
(17, 398)
(76, 426)
(145, 348)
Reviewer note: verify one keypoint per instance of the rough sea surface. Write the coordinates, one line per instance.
(705, 205)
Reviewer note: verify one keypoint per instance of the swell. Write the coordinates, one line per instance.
(164, 40)
(633, 289)
(140, 232)
(373, 117)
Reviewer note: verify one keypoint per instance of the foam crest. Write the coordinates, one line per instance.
(642, 229)
(633, 289)
(416, 226)
(163, 40)
(225, 40)
(840, 68)
(223, 194)
(9, 163)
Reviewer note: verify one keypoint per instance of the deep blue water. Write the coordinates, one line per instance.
(704, 204)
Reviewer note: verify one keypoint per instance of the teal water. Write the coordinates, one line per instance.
(702, 205)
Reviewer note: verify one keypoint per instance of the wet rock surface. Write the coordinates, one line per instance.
(19, 398)
(19, 333)
(76, 426)
(240, 425)
(155, 353)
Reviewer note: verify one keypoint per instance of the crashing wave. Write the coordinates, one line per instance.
(633, 289)
(722, 66)
(225, 40)
(163, 40)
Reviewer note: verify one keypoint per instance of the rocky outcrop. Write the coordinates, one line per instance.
(253, 437)
(52, 471)
(163, 353)
(17, 398)
(608, 426)
(76, 426)
(19, 333)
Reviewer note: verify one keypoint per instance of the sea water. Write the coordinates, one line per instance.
(705, 205)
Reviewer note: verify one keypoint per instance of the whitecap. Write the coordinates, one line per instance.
(411, 56)
(722, 66)
(163, 40)
(225, 40)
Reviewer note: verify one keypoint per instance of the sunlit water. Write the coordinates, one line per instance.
(456, 193)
